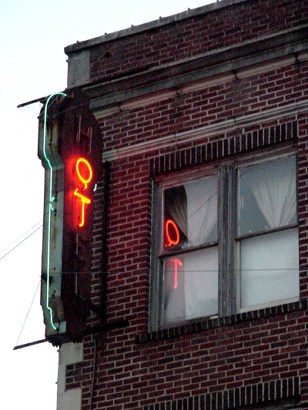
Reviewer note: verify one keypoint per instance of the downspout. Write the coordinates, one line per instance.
(104, 262)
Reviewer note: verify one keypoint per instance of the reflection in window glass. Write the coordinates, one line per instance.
(191, 214)
(270, 268)
(190, 286)
(190, 279)
(252, 263)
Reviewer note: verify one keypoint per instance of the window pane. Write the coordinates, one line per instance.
(190, 285)
(269, 268)
(190, 214)
(267, 196)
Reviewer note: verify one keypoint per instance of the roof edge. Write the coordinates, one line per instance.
(216, 5)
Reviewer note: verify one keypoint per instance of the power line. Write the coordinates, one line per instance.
(22, 235)
(31, 304)
(22, 241)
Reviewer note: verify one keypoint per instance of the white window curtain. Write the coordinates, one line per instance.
(270, 268)
(196, 294)
(193, 206)
(274, 188)
(201, 211)
(201, 283)
(176, 204)
(269, 263)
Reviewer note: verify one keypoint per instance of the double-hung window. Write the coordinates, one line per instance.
(225, 242)
(267, 233)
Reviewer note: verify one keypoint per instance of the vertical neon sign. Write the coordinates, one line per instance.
(67, 132)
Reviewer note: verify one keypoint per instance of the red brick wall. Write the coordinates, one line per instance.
(196, 35)
(208, 106)
(249, 358)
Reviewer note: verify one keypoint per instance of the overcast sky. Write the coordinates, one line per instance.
(33, 34)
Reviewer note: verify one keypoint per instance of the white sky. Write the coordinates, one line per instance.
(33, 34)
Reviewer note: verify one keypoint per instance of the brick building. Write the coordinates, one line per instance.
(200, 244)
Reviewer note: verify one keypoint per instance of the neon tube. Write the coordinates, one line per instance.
(176, 263)
(172, 241)
(84, 201)
(83, 179)
(50, 205)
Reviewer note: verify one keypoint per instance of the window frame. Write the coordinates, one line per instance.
(238, 238)
(157, 256)
(229, 285)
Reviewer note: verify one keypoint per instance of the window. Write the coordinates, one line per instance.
(267, 233)
(225, 242)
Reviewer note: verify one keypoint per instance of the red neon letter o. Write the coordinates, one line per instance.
(84, 179)
(172, 241)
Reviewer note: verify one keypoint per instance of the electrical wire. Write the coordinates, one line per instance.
(22, 241)
(290, 269)
(27, 315)
(39, 223)
(32, 232)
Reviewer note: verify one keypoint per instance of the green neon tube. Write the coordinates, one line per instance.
(50, 205)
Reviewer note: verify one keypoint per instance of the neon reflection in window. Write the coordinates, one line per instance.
(176, 263)
(172, 233)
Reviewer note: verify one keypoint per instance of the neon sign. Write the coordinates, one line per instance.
(85, 174)
(68, 131)
(176, 263)
(172, 233)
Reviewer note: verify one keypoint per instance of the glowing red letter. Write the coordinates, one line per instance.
(84, 201)
(173, 238)
(176, 263)
(85, 174)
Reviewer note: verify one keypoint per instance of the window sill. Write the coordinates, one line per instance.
(196, 327)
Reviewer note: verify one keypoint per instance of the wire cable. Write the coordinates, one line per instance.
(21, 242)
(39, 223)
(27, 315)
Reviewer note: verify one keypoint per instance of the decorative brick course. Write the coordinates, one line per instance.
(224, 147)
(199, 326)
(204, 107)
(257, 394)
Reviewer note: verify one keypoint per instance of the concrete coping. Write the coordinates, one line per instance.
(163, 21)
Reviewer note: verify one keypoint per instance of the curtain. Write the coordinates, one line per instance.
(201, 284)
(201, 211)
(194, 209)
(269, 263)
(176, 205)
(270, 268)
(273, 186)
(191, 279)
(191, 290)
